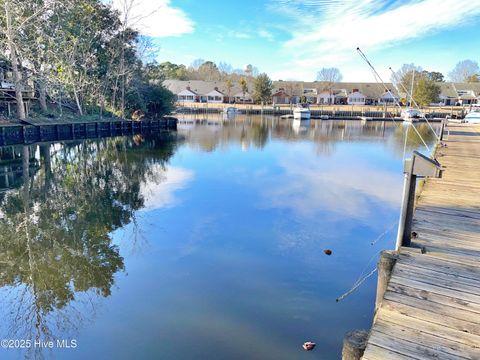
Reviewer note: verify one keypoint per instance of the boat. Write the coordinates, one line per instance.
(301, 112)
(473, 117)
(411, 115)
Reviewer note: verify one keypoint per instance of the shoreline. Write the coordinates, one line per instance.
(18, 134)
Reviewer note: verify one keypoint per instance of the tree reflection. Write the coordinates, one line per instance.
(57, 253)
(414, 141)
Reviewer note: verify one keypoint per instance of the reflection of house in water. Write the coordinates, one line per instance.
(11, 166)
(257, 131)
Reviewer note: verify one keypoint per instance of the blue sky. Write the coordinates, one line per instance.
(293, 39)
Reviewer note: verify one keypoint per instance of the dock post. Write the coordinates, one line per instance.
(442, 129)
(418, 166)
(354, 344)
(384, 271)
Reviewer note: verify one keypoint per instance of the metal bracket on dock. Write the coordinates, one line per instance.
(418, 166)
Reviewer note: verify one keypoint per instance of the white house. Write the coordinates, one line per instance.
(187, 95)
(466, 97)
(388, 97)
(215, 96)
(356, 98)
(325, 98)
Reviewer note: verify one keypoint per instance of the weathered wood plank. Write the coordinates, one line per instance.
(431, 308)
(374, 352)
(452, 348)
(440, 331)
(407, 348)
(443, 318)
(446, 289)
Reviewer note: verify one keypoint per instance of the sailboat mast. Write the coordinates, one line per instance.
(411, 91)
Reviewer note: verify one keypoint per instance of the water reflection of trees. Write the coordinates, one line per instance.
(257, 130)
(57, 254)
(414, 141)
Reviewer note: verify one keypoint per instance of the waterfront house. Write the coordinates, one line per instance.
(281, 97)
(389, 98)
(467, 93)
(310, 95)
(325, 98)
(215, 96)
(243, 97)
(286, 92)
(205, 91)
(340, 97)
(356, 98)
(448, 94)
(187, 95)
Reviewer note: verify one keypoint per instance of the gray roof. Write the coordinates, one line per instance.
(296, 88)
(475, 87)
(203, 87)
(447, 90)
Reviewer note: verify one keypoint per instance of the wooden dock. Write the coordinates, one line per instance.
(431, 307)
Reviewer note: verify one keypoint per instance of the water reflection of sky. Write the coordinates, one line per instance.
(233, 230)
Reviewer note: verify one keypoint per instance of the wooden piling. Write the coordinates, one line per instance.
(384, 270)
(354, 344)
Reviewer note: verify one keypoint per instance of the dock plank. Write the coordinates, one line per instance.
(431, 308)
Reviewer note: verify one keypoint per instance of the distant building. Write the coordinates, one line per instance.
(215, 96)
(356, 98)
(243, 97)
(317, 92)
(187, 95)
(281, 97)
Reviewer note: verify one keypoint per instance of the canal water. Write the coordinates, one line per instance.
(208, 243)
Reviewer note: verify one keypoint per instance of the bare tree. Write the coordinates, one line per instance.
(329, 76)
(405, 72)
(197, 63)
(225, 68)
(464, 71)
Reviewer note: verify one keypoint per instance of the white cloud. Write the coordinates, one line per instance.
(329, 31)
(155, 18)
(267, 35)
(239, 34)
(161, 193)
(311, 189)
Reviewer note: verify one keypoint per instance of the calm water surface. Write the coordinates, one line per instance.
(205, 244)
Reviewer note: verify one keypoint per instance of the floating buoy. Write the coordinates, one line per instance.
(309, 345)
(327, 252)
